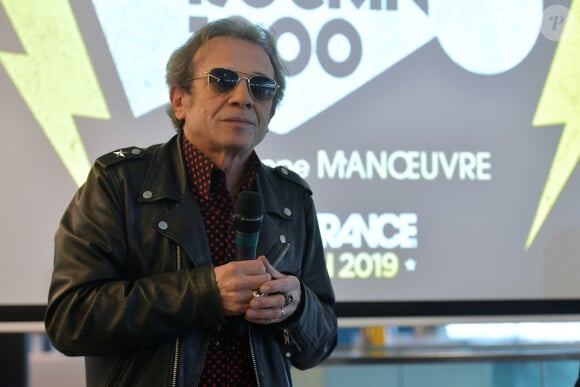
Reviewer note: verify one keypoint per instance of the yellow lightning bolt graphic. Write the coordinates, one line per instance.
(560, 104)
(55, 76)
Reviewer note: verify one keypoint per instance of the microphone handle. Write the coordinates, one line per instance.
(246, 244)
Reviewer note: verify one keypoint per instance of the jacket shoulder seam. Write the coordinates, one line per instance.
(120, 155)
(293, 177)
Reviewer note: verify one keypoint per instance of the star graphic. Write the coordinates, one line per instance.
(119, 153)
(410, 264)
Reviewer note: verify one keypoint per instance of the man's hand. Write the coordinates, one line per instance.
(237, 282)
(276, 299)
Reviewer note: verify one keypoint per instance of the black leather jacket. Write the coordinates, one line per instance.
(133, 289)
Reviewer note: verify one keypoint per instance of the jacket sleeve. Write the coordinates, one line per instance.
(313, 328)
(94, 307)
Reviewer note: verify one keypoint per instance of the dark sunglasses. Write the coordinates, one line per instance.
(223, 80)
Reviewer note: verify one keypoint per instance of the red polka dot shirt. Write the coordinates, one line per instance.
(228, 360)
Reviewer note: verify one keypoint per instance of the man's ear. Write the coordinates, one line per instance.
(176, 96)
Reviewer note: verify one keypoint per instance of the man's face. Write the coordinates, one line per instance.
(226, 124)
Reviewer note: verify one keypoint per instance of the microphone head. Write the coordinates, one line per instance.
(248, 212)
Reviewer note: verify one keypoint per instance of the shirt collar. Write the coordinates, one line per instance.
(201, 171)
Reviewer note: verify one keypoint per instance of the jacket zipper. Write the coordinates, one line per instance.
(177, 341)
(175, 363)
(286, 333)
(253, 354)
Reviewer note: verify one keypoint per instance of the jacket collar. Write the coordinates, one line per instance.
(274, 199)
(166, 178)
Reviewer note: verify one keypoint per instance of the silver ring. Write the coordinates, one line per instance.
(282, 312)
(257, 293)
(288, 299)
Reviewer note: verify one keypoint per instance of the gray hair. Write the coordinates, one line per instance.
(180, 67)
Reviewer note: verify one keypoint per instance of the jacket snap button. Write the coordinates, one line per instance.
(283, 238)
(147, 195)
(163, 225)
(287, 211)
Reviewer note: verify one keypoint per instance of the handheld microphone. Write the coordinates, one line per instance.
(246, 221)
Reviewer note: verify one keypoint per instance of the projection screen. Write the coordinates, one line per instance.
(440, 138)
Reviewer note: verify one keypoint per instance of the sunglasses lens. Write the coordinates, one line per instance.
(263, 88)
(222, 80)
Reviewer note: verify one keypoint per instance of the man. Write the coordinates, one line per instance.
(145, 285)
